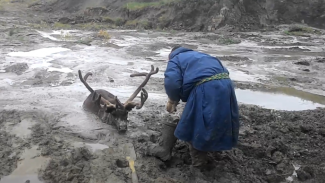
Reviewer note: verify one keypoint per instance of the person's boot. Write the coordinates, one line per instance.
(163, 150)
(199, 158)
(199, 161)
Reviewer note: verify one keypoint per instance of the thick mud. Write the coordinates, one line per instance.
(46, 136)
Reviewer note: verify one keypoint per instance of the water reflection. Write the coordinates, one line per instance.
(282, 99)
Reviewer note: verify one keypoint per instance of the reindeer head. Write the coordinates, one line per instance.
(109, 108)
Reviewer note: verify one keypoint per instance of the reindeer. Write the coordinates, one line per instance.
(108, 107)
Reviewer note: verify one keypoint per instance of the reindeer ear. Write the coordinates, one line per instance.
(109, 109)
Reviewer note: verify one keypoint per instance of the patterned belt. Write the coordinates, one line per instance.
(219, 76)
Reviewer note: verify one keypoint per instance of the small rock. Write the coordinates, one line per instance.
(303, 176)
(274, 178)
(306, 63)
(305, 129)
(277, 157)
(268, 172)
(27, 181)
(280, 168)
(322, 132)
(64, 20)
(306, 70)
(111, 80)
(320, 60)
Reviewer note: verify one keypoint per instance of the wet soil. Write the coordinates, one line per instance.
(46, 136)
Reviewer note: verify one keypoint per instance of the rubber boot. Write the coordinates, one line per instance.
(199, 158)
(163, 150)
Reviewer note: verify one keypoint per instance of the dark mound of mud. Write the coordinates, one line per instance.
(271, 143)
(17, 68)
(9, 155)
(305, 63)
(73, 168)
(195, 15)
(320, 60)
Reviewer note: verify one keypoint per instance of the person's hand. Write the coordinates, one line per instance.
(171, 106)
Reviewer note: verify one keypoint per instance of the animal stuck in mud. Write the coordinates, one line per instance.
(108, 107)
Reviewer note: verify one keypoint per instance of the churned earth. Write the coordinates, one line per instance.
(46, 136)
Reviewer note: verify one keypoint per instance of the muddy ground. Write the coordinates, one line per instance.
(46, 136)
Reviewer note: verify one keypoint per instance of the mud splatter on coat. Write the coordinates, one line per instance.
(210, 120)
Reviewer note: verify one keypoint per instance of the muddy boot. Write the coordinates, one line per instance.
(199, 158)
(163, 150)
(199, 163)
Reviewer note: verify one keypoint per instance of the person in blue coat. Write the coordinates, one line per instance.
(210, 119)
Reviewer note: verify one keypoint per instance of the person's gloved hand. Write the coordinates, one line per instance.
(171, 106)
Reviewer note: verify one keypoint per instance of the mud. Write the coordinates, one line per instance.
(46, 136)
(18, 68)
(234, 15)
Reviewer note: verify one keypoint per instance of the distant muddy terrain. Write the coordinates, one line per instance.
(190, 15)
(47, 137)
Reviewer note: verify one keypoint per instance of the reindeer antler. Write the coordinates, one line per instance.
(144, 94)
(103, 100)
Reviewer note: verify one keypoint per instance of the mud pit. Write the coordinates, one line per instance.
(46, 136)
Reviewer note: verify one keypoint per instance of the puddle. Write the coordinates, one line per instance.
(92, 147)
(126, 41)
(62, 33)
(27, 169)
(22, 129)
(96, 147)
(44, 65)
(81, 122)
(21, 179)
(160, 74)
(7, 81)
(164, 53)
(277, 101)
(47, 35)
(43, 52)
(64, 70)
(320, 99)
(237, 75)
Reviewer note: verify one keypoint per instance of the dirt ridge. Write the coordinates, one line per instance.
(193, 15)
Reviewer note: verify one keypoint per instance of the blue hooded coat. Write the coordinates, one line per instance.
(210, 120)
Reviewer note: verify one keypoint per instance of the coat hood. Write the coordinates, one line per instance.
(178, 51)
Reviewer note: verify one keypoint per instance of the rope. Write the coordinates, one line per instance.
(214, 77)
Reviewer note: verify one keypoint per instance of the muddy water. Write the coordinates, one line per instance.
(51, 84)
(279, 101)
(27, 168)
(91, 147)
(21, 179)
(114, 63)
(22, 129)
(52, 72)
